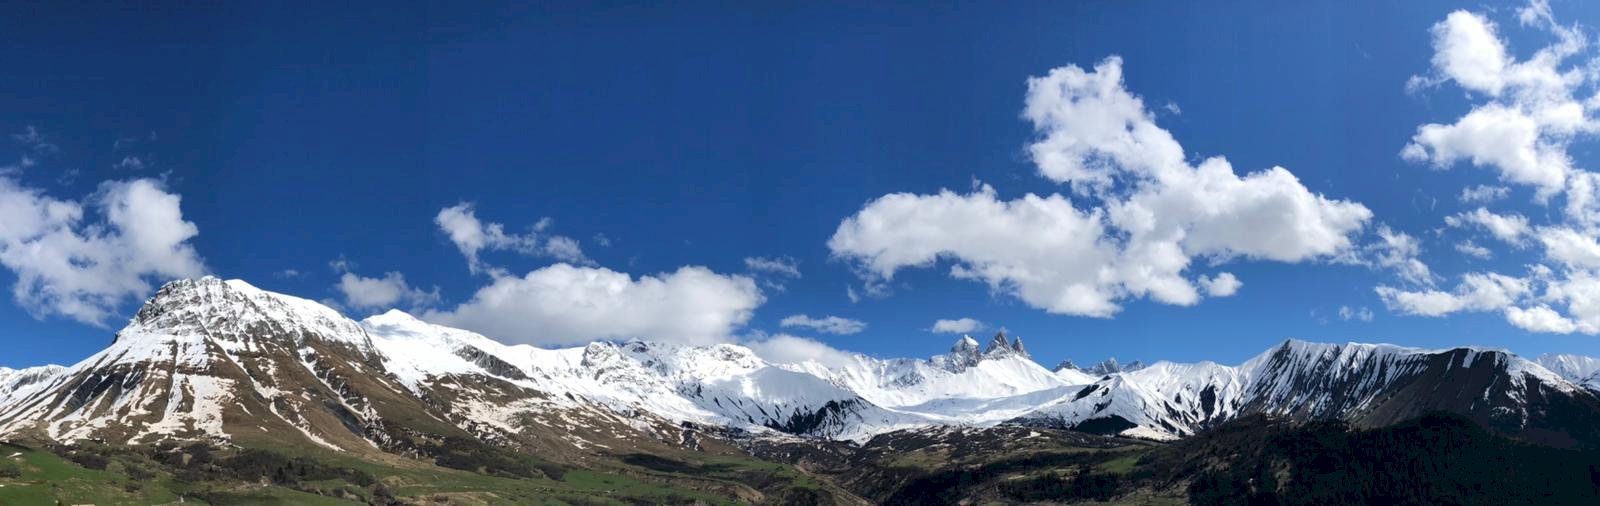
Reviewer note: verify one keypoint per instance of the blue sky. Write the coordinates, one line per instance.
(327, 143)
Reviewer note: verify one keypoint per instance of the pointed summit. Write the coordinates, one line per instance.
(965, 344)
(1066, 365)
(999, 343)
(236, 311)
(965, 353)
(1110, 366)
(1002, 347)
(1107, 366)
(1016, 345)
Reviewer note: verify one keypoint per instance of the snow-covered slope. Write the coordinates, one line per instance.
(1073, 376)
(1369, 384)
(1163, 401)
(924, 386)
(1315, 380)
(1578, 369)
(721, 384)
(23, 382)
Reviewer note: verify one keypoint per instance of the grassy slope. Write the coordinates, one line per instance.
(46, 478)
(1436, 459)
(709, 479)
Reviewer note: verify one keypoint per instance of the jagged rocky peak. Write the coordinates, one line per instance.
(1345, 356)
(234, 310)
(965, 353)
(999, 343)
(601, 354)
(1001, 346)
(1348, 358)
(13, 379)
(1066, 365)
(1107, 366)
(1575, 368)
(178, 300)
(964, 345)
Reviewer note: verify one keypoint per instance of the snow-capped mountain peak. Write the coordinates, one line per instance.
(1110, 364)
(966, 343)
(1105, 367)
(20, 381)
(998, 344)
(965, 353)
(1575, 368)
(235, 311)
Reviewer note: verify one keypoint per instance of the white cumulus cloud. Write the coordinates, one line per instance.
(1578, 292)
(1144, 214)
(1510, 228)
(1483, 194)
(1476, 292)
(957, 326)
(787, 349)
(385, 292)
(1530, 116)
(1526, 115)
(1222, 285)
(1540, 319)
(1043, 249)
(1570, 247)
(1473, 250)
(84, 268)
(1398, 252)
(567, 304)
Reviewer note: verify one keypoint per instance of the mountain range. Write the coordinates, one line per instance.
(227, 364)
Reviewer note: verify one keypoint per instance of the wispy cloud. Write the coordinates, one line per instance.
(472, 236)
(827, 324)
